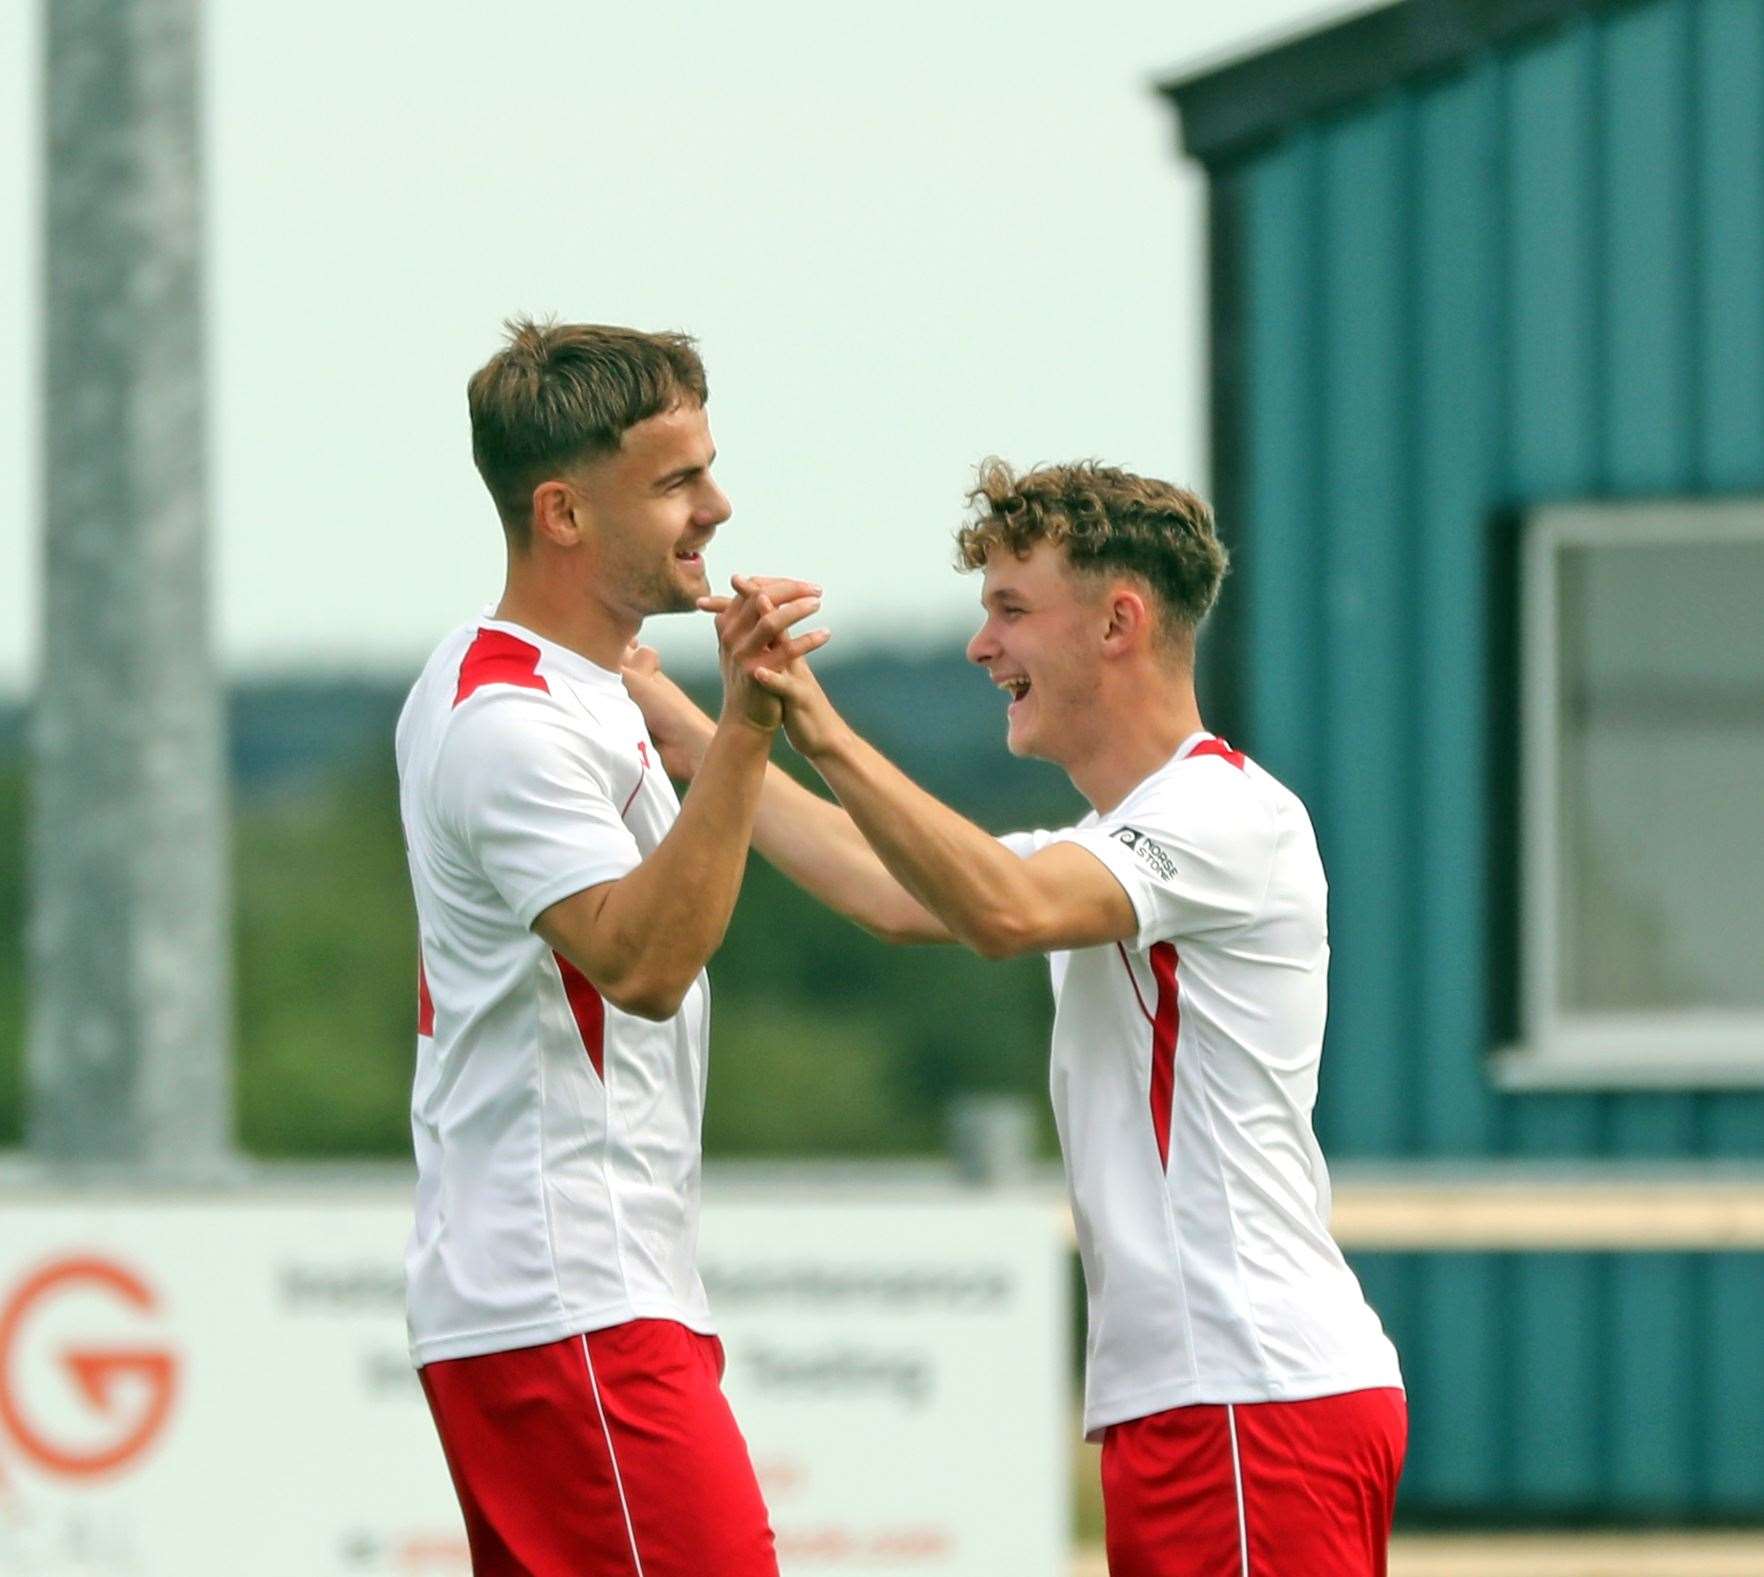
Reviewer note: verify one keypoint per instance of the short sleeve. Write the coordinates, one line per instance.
(530, 802)
(1023, 844)
(1191, 866)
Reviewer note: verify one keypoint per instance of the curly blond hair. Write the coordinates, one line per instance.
(1108, 520)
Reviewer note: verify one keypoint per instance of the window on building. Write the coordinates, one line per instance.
(1643, 785)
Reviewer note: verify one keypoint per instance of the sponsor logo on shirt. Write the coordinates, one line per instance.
(1149, 851)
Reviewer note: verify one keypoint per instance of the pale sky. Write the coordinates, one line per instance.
(906, 236)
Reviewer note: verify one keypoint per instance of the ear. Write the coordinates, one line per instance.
(1129, 622)
(557, 512)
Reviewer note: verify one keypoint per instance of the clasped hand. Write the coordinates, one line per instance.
(763, 667)
(754, 640)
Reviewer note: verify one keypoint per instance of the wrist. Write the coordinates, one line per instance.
(737, 724)
(832, 744)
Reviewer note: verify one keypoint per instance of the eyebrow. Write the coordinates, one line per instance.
(681, 473)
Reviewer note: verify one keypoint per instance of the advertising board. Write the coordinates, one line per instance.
(220, 1385)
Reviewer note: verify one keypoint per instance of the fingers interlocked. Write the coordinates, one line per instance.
(753, 624)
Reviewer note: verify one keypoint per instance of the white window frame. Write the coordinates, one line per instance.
(1680, 1050)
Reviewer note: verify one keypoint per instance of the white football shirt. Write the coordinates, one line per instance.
(557, 1138)
(1184, 1074)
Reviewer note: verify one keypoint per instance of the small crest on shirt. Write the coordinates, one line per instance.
(1149, 851)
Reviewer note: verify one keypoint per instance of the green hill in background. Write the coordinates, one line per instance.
(824, 1042)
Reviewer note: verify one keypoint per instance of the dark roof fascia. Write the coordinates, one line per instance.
(1227, 110)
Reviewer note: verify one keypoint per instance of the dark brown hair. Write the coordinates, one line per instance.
(560, 393)
(1107, 520)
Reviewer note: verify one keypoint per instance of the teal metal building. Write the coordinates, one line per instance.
(1487, 285)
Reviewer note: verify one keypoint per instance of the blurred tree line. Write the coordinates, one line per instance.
(823, 1041)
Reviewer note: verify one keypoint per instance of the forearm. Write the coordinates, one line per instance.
(643, 938)
(661, 923)
(959, 873)
(817, 845)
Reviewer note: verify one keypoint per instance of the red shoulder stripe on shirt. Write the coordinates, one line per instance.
(588, 1010)
(1166, 1025)
(496, 657)
(1218, 747)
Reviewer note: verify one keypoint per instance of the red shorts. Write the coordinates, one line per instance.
(1258, 1489)
(607, 1455)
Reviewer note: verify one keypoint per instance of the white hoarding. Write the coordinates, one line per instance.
(220, 1386)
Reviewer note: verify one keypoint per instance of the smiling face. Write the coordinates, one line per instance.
(651, 508)
(1042, 643)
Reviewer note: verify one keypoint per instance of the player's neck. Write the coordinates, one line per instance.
(561, 614)
(1132, 742)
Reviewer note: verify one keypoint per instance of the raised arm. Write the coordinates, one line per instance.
(990, 899)
(810, 839)
(641, 940)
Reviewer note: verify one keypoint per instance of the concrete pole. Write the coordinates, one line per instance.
(130, 953)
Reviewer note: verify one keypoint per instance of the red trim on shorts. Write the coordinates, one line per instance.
(1166, 1026)
(1217, 747)
(425, 1002)
(609, 1455)
(588, 1009)
(1256, 1489)
(496, 657)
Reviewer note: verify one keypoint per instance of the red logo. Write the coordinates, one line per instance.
(643, 752)
(109, 1397)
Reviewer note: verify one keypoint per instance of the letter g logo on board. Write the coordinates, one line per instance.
(80, 1394)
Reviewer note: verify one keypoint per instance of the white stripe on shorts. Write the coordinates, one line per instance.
(1237, 1474)
(618, 1481)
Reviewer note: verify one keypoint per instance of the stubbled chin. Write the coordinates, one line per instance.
(680, 594)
